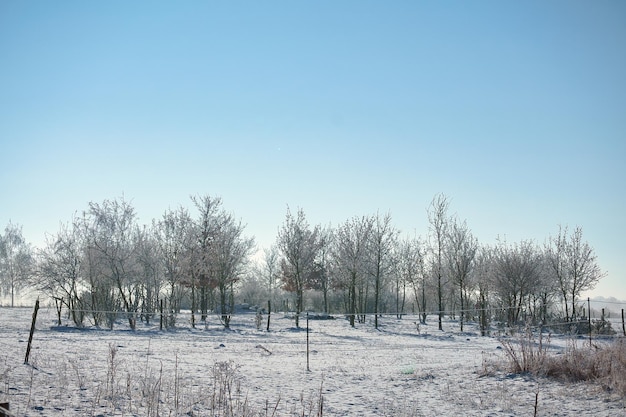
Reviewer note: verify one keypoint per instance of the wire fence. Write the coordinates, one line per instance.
(594, 321)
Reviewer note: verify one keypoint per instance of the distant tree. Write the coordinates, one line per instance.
(150, 267)
(100, 298)
(230, 255)
(320, 278)
(171, 233)
(573, 264)
(517, 273)
(222, 254)
(350, 256)
(206, 228)
(16, 261)
(462, 247)
(381, 245)
(270, 273)
(483, 276)
(299, 246)
(438, 221)
(545, 291)
(60, 270)
(409, 271)
(114, 235)
(192, 267)
(251, 289)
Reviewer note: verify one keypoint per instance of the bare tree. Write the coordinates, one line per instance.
(299, 245)
(483, 277)
(171, 232)
(462, 247)
(320, 278)
(192, 266)
(269, 272)
(60, 271)
(573, 264)
(114, 236)
(100, 294)
(517, 272)
(438, 220)
(16, 261)
(206, 227)
(350, 258)
(231, 251)
(381, 244)
(150, 268)
(409, 271)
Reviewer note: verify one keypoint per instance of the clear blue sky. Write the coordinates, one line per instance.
(515, 110)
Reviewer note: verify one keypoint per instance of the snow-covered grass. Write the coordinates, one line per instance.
(207, 371)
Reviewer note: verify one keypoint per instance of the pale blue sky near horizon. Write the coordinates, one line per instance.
(515, 110)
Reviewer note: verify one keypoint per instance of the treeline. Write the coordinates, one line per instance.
(102, 263)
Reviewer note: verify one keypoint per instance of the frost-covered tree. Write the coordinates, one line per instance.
(150, 267)
(517, 270)
(230, 255)
(460, 254)
(270, 273)
(299, 245)
(410, 271)
(438, 222)
(381, 245)
(205, 230)
(320, 278)
(171, 233)
(573, 265)
(483, 277)
(60, 273)
(350, 256)
(16, 261)
(113, 236)
(221, 254)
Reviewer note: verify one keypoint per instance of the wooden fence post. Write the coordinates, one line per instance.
(4, 410)
(623, 325)
(161, 311)
(269, 313)
(589, 308)
(307, 343)
(32, 330)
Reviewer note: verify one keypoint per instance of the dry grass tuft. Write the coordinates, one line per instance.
(603, 364)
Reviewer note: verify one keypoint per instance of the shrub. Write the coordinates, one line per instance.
(525, 353)
(602, 364)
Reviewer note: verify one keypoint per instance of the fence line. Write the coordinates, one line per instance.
(123, 314)
(303, 313)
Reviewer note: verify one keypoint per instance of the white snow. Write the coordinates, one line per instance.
(393, 371)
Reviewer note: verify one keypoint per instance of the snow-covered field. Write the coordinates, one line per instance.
(393, 371)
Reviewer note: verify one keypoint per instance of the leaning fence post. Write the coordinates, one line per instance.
(623, 325)
(32, 330)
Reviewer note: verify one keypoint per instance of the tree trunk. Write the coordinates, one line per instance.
(462, 315)
(440, 299)
(224, 309)
(193, 305)
(299, 296)
(376, 296)
(423, 304)
(352, 298)
(203, 303)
